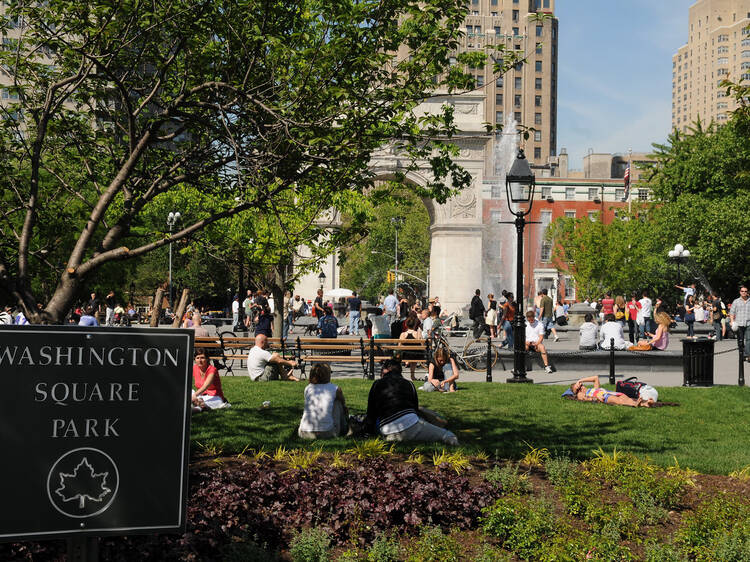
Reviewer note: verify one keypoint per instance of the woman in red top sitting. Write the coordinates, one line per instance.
(208, 394)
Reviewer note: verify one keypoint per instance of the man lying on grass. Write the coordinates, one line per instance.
(599, 394)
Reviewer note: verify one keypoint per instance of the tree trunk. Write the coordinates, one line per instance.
(156, 309)
(181, 308)
(277, 290)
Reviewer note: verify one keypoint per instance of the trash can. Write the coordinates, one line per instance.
(698, 361)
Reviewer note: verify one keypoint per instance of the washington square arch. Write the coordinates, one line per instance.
(467, 251)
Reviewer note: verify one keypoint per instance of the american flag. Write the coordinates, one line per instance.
(627, 183)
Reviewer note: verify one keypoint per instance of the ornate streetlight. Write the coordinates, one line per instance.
(322, 279)
(679, 255)
(519, 185)
(396, 222)
(172, 219)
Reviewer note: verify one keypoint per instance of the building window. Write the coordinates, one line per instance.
(538, 101)
(480, 81)
(497, 30)
(643, 195)
(538, 66)
(538, 136)
(515, 32)
(593, 215)
(499, 82)
(495, 217)
(546, 191)
(498, 117)
(517, 83)
(570, 194)
(539, 48)
(517, 100)
(539, 30)
(515, 15)
(746, 54)
(537, 153)
(517, 116)
(493, 2)
(546, 252)
(537, 119)
(538, 83)
(570, 288)
(620, 193)
(498, 99)
(593, 193)
(570, 214)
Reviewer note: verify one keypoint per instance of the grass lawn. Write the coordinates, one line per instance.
(707, 432)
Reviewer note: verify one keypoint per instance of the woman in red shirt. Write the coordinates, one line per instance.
(633, 307)
(208, 394)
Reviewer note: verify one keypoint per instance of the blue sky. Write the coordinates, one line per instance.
(615, 73)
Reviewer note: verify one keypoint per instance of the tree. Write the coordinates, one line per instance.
(246, 103)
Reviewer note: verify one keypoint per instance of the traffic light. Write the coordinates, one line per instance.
(390, 277)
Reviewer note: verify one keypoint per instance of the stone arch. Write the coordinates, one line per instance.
(456, 239)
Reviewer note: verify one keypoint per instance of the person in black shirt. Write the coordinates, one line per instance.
(392, 410)
(476, 313)
(263, 324)
(355, 311)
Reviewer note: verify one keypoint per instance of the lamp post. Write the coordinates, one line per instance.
(679, 255)
(132, 290)
(322, 279)
(519, 186)
(396, 222)
(172, 219)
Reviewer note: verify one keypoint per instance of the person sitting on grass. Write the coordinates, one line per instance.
(266, 366)
(599, 394)
(392, 410)
(325, 415)
(442, 372)
(535, 336)
(208, 395)
(659, 340)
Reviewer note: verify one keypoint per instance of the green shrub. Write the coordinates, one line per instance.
(560, 470)
(248, 550)
(508, 479)
(721, 524)
(384, 549)
(349, 556)
(663, 552)
(491, 553)
(435, 546)
(521, 527)
(310, 545)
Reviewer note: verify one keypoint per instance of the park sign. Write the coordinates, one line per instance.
(94, 431)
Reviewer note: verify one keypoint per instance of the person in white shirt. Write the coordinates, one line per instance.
(325, 415)
(535, 338)
(588, 333)
(390, 307)
(381, 327)
(266, 366)
(647, 314)
(612, 329)
(235, 311)
(5, 316)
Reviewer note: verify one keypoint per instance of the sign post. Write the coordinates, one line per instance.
(95, 439)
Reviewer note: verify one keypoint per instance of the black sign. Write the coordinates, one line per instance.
(94, 430)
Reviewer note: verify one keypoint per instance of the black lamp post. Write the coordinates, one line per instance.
(322, 279)
(132, 290)
(519, 185)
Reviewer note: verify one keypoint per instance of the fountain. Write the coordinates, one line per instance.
(499, 247)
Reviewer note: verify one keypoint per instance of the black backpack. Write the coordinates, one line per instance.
(630, 387)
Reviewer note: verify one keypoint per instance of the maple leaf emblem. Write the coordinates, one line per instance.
(83, 484)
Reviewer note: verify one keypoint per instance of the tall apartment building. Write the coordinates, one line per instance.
(529, 91)
(718, 48)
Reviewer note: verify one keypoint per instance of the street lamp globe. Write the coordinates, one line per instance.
(520, 183)
(672, 254)
(686, 253)
(678, 248)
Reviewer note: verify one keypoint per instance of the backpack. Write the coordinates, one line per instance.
(630, 387)
(328, 327)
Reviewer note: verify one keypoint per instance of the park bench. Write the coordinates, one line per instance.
(367, 352)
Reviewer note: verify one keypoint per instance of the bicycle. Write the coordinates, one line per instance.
(473, 354)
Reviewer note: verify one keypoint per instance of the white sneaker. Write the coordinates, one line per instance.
(548, 370)
(557, 338)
